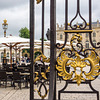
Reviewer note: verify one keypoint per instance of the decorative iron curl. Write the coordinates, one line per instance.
(85, 51)
(58, 45)
(79, 45)
(70, 54)
(41, 77)
(98, 43)
(74, 27)
(39, 90)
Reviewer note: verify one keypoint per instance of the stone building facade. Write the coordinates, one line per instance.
(85, 36)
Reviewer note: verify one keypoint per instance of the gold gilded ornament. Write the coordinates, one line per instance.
(61, 67)
(42, 96)
(77, 37)
(36, 78)
(42, 58)
(94, 62)
(38, 1)
(77, 62)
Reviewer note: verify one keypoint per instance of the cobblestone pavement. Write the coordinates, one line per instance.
(10, 93)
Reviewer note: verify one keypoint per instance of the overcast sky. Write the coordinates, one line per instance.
(17, 14)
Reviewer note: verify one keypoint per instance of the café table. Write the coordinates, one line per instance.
(10, 73)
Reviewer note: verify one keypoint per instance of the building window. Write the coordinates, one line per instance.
(87, 44)
(60, 36)
(87, 35)
(1, 56)
(8, 54)
(94, 42)
(67, 36)
(74, 42)
(94, 34)
(73, 34)
(80, 34)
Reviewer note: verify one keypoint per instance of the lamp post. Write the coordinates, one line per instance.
(4, 26)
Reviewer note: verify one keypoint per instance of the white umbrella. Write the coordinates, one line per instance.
(12, 41)
(4, 47)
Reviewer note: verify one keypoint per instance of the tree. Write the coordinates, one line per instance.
(24, 33)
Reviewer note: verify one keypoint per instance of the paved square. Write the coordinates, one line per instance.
(10, 93)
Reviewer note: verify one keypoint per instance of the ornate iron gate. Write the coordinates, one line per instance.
(76, 57)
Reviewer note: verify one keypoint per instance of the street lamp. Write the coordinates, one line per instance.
(5, 26)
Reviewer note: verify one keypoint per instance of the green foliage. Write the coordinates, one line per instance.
(24, 33)
(44, 39)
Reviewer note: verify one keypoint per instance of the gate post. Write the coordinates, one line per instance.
(52, 85)
(43, 1)
(31, 48)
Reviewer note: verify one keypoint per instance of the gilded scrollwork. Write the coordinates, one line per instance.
(61, 67)
(42, 58)
(94, 62)
(79, 39)
(41, 77)
(36, 77)
(80, 60)
(42, 96)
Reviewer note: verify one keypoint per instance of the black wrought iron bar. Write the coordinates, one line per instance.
(90, 26)
(79, 92)
(66, 20)
(66, 26)
(90, 17)
(31, 48)
(66, 14)
(78, 6)
(52, 84)
(43, 26)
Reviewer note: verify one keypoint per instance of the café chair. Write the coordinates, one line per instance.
(4, 78)
(17, 78)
